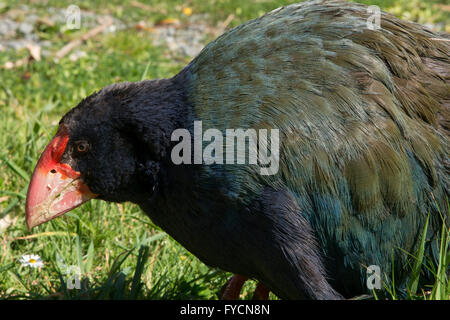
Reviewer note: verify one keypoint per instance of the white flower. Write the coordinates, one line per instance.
(31, 260)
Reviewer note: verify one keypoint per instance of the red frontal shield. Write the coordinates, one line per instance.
(55, 188)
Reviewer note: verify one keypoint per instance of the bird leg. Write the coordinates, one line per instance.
(261, 292)
(233, 287)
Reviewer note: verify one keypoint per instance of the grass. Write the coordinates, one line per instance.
(420, 263)
(120, 254)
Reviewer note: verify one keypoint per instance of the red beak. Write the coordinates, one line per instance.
(55, 188)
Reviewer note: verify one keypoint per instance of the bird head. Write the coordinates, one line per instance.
(108, 147)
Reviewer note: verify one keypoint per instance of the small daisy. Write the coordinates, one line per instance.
(31, 260)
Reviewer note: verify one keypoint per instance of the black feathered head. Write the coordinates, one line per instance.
(108, 147)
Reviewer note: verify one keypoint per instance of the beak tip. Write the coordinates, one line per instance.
(29, 220)
(30, 225)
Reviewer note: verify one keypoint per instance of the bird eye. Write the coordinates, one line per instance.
(82, 146)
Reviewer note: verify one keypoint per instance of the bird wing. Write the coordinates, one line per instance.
(363, 118)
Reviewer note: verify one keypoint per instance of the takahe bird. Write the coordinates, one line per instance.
(363, 120)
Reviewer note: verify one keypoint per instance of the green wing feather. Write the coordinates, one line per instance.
(363, 118)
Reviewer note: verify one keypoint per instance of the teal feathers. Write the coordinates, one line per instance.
(363, 118)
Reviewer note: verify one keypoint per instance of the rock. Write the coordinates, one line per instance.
(8, 27)
(188, 41)
(26, 28)
(180, 40)
(16, 44)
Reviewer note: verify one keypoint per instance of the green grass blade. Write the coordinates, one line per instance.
(7, 267)
(119, 287)
(136, 283)
(16, 168)
(439, 289)
(417, 268)
(9, 208)
(18, 279)
(118, 262)
(144, 75)
(79, 254)
(90, 257)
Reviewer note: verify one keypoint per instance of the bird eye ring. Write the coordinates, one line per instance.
(82, 146)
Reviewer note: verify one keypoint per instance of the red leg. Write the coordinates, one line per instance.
(233, 287)
(261, 292)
